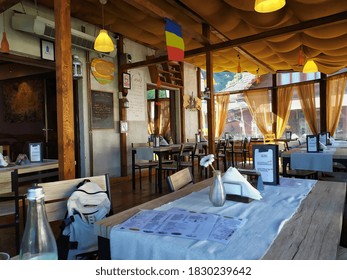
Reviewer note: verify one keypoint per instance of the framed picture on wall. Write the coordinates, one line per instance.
(47, 50)
(126, 81)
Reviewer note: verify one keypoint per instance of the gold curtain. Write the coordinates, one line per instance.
(259, 104)
(307, 97)
(150, 120)
(335, 91)
(164, 118)
(222, 103)
(284, 102)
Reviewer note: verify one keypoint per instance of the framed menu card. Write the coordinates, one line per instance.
(312, 143)
(323, 138)
(35, 152)
(265, 161)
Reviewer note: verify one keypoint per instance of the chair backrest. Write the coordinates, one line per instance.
(58, 192)
(180, 179)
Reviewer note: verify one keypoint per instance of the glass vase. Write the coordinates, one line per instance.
(217, 191)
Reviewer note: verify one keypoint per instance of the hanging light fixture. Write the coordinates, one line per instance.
(268, 6)
(310, 67)
(103, 43)
(5, 47)
(238, 65)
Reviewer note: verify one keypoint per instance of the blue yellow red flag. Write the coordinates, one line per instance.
(174, 40)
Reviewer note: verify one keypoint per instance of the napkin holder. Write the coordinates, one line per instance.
(237, 197)
(253, 177)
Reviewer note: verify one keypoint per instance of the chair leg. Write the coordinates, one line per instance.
(140, 179)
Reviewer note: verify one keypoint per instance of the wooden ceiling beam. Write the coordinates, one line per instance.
(271, 33)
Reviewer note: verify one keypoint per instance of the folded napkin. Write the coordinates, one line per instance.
(163, 142)
(322, 146)
(2, 161)
(332, 140)
(235, 183)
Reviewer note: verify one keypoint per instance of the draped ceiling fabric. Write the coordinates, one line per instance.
(230, 20)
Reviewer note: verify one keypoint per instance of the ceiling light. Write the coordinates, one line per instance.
(103, 43)
(268, 6)
(310, 67)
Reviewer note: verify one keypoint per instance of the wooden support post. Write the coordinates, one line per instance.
(65, 111)
(122, 110)
(323, 102)
(210, 102)
(274, 99)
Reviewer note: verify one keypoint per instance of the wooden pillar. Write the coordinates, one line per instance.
(323, 102)
(198, 86)
(274, 98)
(183, 111)
(122, 110)
(65, 112)
(210, 102)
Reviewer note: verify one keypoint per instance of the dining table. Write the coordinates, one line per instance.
(161, 152)
(322, 161)
(40, 170)
(297, 219)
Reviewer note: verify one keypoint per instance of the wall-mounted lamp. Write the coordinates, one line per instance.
(103, 43)
(76, 68)
(206, 94)
(125, 102)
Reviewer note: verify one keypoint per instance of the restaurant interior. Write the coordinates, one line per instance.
(174, 82)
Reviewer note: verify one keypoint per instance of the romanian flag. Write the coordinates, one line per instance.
(174, 40)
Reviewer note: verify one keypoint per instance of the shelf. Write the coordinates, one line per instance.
(169, 73)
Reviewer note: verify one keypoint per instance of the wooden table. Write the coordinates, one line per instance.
(312, 233)
(47, 168)
(339, 156)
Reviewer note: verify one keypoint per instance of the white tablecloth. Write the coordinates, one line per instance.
(265, 218)
(322, 161)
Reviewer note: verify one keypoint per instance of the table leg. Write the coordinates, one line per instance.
(133, 168)
(285, 163)
(160, 170)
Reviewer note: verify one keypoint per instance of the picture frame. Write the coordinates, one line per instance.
(126, 81)
(265, 160)
(312, 143)
(123, 126)
(47, 50)
(35, 152)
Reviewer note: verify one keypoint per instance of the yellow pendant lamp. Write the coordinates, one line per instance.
(103, 43)
(268, 6)
(310, 67)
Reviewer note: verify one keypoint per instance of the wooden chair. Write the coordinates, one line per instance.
(221, 153)
(240, 149)
(180, 179)
(58, 192)
(144, 160)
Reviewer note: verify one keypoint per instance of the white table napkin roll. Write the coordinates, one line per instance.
(239, 185)
(2, 161)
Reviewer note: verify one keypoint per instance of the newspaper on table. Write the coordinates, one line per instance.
(182, 223)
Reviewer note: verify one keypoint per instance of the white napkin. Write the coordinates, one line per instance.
(163, 142)
(332, 140)
(2, 161)
(322, 146)
(235, 183)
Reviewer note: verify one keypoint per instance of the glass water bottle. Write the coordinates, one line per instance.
(38, 241)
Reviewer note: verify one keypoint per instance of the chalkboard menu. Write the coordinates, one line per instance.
(102, 109)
